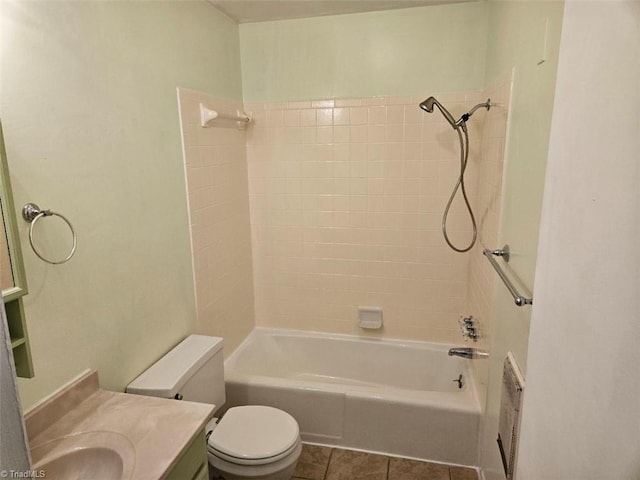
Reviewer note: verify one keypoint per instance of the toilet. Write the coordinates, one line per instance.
(249, 442)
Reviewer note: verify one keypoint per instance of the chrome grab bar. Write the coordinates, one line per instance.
(504, 253)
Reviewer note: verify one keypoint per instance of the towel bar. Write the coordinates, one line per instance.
(519, 300)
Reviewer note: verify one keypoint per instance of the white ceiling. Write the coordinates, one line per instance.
(244, 11)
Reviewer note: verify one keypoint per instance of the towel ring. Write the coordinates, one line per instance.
(32, 213)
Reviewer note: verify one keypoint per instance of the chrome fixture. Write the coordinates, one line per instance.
(31, 213)
(428, 104)
(505, 253)
(470, 353)
(458, 125)
(469, 328)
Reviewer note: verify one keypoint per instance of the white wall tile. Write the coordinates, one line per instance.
(217, 186)
(371, 184)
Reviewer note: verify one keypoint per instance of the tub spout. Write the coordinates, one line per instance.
(468, 353)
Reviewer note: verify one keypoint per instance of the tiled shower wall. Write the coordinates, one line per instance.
(216, 171)
(346, 201)
(482, 278)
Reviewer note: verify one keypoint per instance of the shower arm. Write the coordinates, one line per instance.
(463, 119)
(486, 105)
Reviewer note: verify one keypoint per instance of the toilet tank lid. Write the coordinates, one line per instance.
(167, 376)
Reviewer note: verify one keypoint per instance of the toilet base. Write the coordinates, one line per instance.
(286, 474)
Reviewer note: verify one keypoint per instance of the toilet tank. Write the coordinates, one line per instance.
(193, 370)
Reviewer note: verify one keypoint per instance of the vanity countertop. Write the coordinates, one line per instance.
(160, 430)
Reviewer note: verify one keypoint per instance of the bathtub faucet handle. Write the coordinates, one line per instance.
(472, 334)
(460, 381)
(469, 328)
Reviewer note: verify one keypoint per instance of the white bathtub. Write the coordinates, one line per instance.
(394, 397)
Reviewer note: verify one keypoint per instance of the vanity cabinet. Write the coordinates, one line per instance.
(193, 465)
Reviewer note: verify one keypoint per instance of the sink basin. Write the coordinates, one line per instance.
(86, 456)
(84, 463)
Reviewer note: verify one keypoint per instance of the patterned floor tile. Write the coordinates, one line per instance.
(313, 462)
(404, 469)
(327, 463)
(461, 473)
(350, 465)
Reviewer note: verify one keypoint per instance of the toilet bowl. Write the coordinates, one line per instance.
(250, 442)
(254, 442)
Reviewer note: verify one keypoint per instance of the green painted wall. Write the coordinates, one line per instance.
(517, 41)
(402, 52)
(518, 34)
(89, 108)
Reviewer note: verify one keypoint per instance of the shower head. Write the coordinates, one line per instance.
(428, 104)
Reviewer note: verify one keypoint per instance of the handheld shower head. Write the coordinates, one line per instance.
(460, 126)
(428, 104)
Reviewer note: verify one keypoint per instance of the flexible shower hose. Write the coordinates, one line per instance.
(464, 155)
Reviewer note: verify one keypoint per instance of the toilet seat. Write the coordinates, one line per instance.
(254, 435)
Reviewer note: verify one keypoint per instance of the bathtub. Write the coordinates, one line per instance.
(395, 397)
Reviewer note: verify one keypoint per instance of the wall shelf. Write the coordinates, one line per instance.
(19, 338)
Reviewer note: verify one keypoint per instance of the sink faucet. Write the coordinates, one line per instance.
(470, 353)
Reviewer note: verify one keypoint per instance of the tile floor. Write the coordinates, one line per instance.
(326, 463)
